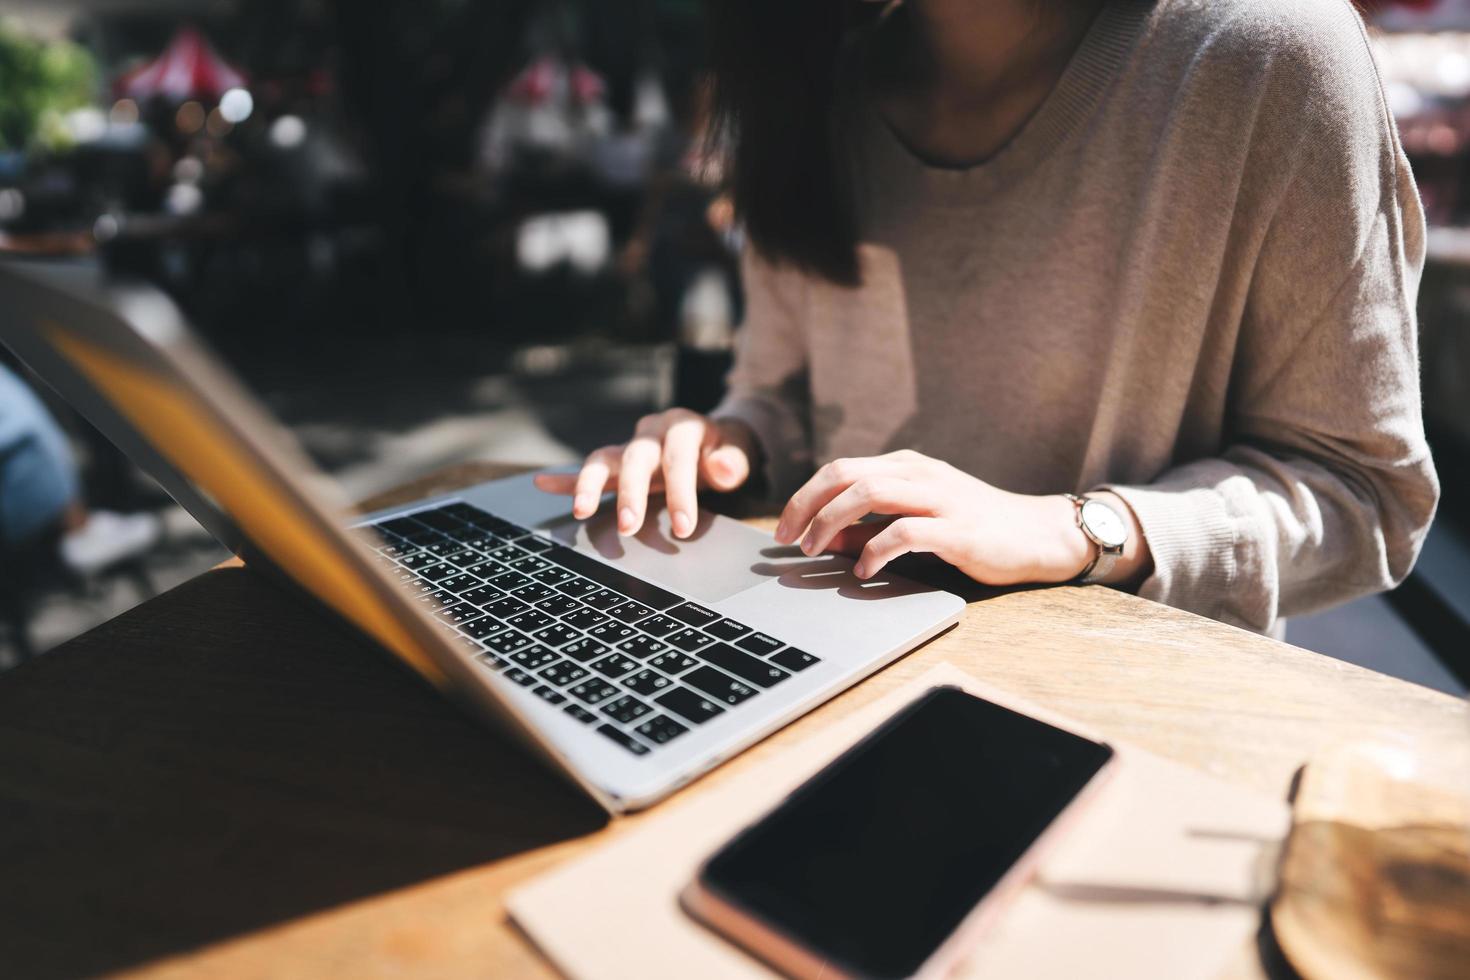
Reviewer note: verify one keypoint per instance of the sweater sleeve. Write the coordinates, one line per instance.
(767, 387)
(1324, 488)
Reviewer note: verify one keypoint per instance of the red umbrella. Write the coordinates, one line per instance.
(189, 68)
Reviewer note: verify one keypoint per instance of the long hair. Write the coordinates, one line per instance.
(782, 119)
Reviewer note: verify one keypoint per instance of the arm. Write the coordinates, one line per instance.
(768, 394)
(1325, 486)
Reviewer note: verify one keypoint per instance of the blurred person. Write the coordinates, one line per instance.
(1157, 252)
(40, 493)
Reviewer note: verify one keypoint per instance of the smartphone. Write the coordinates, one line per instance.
(890, 860)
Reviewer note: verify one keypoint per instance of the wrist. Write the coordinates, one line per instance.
(1064, 551)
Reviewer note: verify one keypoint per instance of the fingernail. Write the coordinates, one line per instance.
(582, 506)
(682, 524)
(781, 533)
(626, 520)
(808, 545)
(859, 570)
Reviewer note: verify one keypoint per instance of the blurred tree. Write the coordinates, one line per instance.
(39, 82)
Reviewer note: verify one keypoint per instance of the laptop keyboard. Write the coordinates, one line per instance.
(637, 662)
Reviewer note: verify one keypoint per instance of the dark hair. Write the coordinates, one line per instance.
(781, 121)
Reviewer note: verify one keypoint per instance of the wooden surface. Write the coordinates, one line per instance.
(221, 782)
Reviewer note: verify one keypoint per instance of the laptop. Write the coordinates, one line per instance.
(632, 665)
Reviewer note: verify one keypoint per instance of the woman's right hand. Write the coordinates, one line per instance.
(677, 451)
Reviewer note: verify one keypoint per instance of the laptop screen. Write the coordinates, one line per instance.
(163, 389)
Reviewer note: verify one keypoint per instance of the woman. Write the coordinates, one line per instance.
(1162, 253)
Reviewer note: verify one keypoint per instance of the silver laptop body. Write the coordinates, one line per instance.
(770, 633)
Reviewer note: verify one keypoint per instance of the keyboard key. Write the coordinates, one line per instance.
(660, 626)
(534, 592)
(614, 665)
(718, 686)
(482, 627)
(760, 644)
(400, 525)
(563, 673)
(585, 649)
(661, 729)
(534, 657)
(578, 587)
(726, 629)
(580, 713)
(626, 741)
(687, 704)
(419, 559)
(611, 632)
(688, 640)
(642, 647)
(630, 612)
(553, 576)
(481, 595)
(549, 695)
(530, 564)
(626, 709)
(508, 580)
(507, 553)
(534, 543)
(557, 635)
(693, 615)
(613, 578)
(594, 690)
(462, 511)
(507, 641)
(672, 662)
(519, 676)
(604, 599)
(440, 545)
(460, 584)
(437, 573)
(646, 682)
(794, 659)
(438, 598)
(505, 607)
(743, 665)
(460, 612)
(463, 558)
(530, 620)
(438, 519)
(559, 605)
(584, 618)
(491, 660)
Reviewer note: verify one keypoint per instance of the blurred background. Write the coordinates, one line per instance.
(425, 231)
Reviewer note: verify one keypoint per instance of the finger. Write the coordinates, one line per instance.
(903, 536)
(868, 495)
(725, 467)
(591, 482)
(825, 484)
(565, 483)
(636, 469)
(852, 540)
(683, 443)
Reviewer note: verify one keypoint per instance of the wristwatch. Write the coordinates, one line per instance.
(1105, 528)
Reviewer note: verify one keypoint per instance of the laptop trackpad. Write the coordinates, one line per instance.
(712, 564)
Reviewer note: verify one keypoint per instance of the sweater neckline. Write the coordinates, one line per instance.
(1104, 48)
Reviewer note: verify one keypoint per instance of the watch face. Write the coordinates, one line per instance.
(1104, 523)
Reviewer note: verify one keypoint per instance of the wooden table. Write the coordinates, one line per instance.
(223, 783)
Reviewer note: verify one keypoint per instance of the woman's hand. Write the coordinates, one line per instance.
(993, 536)
(678, 452)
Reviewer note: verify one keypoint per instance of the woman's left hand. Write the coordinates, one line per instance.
(993, 536)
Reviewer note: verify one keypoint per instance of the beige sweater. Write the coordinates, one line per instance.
(1190, 278)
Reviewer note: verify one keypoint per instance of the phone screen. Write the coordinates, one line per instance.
(874, 861)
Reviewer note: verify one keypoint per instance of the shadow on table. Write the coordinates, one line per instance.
(225, 758)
